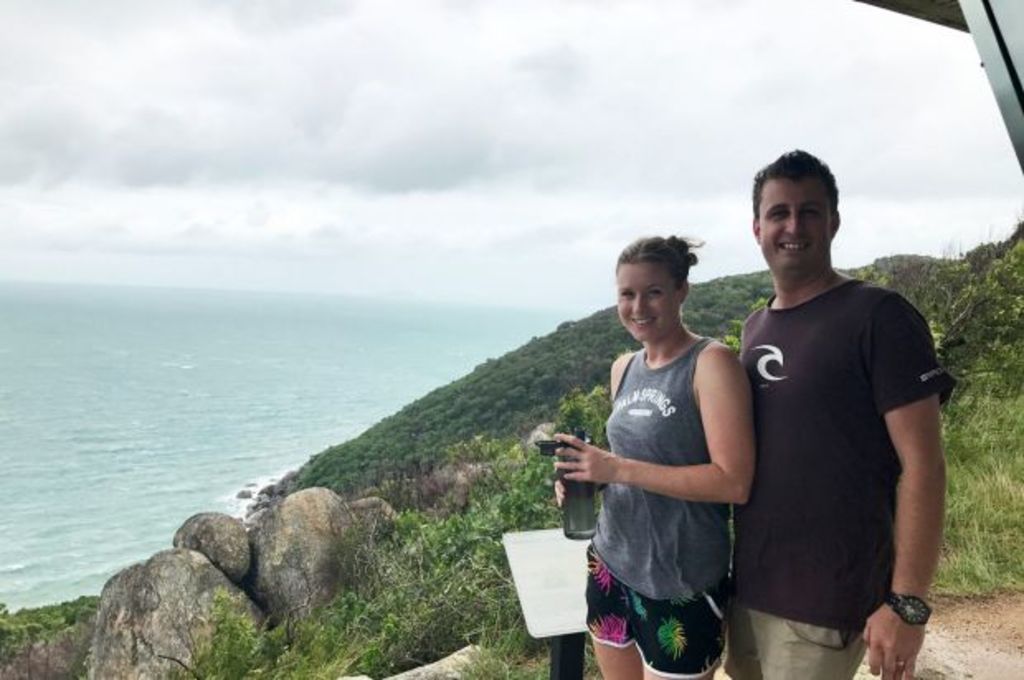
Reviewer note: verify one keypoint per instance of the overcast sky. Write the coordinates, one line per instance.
(476, 151)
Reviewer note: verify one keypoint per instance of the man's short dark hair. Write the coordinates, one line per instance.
(796, 165)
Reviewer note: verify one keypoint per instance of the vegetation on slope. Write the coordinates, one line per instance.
(26, 626)
(436, 584)
(507, 397)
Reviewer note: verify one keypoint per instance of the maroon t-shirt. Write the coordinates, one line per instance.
(815, 541)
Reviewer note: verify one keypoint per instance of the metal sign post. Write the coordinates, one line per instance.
(550, 575)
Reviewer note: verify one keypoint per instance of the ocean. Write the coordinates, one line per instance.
(123, 411)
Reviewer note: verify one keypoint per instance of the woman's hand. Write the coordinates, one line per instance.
(582, 462)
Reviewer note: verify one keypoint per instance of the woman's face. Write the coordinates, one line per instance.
(649, 300)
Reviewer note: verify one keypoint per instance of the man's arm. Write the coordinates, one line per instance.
(916, 434)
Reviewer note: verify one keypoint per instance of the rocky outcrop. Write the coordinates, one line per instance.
(372, 510)
(269, 496)
(448, 668)
(457, 481)
(295, 553)
(542, 431)
(57, 659)
(221, 538)
(154, 616)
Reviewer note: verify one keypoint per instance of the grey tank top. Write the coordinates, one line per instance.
(659, 546)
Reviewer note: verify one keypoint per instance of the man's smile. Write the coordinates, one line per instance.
(794, 246)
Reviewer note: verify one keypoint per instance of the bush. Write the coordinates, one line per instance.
(27, 626)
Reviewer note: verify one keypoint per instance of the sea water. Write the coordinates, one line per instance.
(123, 411)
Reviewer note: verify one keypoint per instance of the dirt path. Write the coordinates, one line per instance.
(975, 638)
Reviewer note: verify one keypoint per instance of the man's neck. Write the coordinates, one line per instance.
(790, 292)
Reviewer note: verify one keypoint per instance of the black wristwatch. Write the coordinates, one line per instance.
(913, 610)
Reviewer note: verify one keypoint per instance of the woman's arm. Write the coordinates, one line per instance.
(723, 398)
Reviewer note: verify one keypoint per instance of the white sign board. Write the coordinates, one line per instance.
(550, 574)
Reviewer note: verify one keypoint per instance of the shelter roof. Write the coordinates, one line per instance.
(945, 12)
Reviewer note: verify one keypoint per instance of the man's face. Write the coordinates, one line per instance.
(795, 226)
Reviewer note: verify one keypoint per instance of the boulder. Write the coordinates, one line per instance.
(269, 496)
(449, 668)
(221, 538)
(296, 560)
(455, 482)
(441, 491)
(542, 431)
(373, 510)
(244, 495)
(153, 617)
(252, 519)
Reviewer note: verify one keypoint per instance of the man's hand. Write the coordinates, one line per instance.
(892, 644)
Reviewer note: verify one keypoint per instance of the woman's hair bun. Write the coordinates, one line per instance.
(684, 246)
(675, 252)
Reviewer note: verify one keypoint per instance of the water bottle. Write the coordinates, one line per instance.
(579, 521)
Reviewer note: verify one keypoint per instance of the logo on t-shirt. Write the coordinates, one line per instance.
(647, 395)
(772, 355)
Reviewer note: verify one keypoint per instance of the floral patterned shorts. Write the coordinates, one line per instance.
(679, 638)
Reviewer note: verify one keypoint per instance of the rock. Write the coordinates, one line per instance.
(56, 659)
(295, 553)
(244, 494)
(281, 487)
(457, 482)
(355, 677)
(448, 668)
(371, 509)
(253, 518)
(154, 616)
(221, 538)
(287, 483)
(269, 496)
(542, 431)
(444, 490)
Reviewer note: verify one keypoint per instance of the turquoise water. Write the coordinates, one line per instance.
(125, 410)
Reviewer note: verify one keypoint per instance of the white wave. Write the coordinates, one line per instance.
(235, 506)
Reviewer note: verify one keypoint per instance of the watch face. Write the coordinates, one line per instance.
(912, 610)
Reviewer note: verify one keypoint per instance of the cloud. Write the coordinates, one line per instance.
(478, 133)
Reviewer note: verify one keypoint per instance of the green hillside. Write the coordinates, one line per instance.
(508, 396)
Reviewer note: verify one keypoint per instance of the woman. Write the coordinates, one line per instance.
(682, 443)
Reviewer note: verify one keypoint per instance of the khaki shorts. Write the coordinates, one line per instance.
(765, 647)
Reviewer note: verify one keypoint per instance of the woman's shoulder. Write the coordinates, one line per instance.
(622, 361)
(619, 367)
(717, 356)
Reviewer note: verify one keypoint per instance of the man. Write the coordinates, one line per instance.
(837, 547)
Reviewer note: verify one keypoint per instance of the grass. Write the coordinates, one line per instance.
(984, 542)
